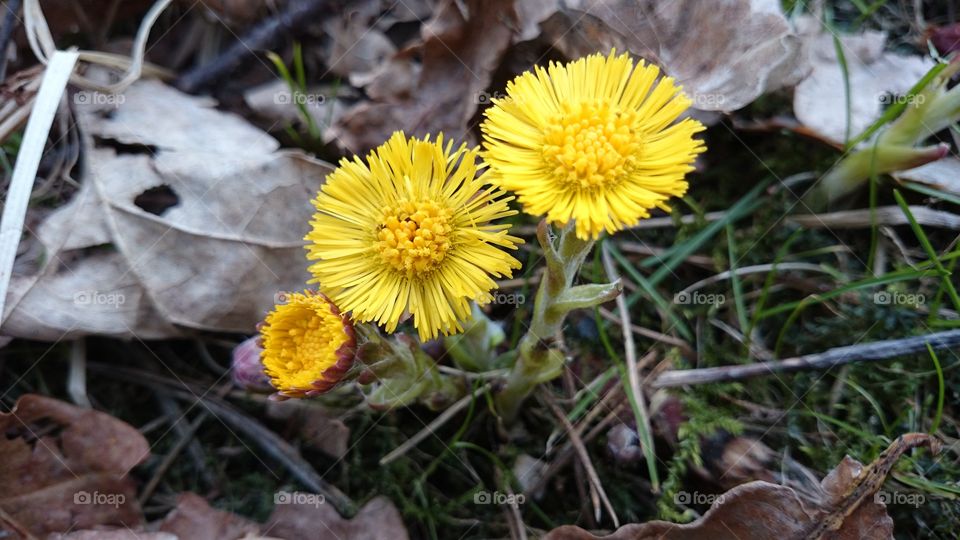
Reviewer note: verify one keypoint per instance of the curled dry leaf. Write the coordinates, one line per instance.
(187, 217)
(461, 45)
(875, 78)
(943, 174)
(725, 53)
(356, 47)
(194, 518)
(846, 508)
(317, 426)
(64, 468)
(379, 519)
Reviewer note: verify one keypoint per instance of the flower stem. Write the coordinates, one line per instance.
(540, 358)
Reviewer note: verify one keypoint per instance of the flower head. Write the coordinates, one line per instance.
(409, 231)
(595, 140)
(308, 346)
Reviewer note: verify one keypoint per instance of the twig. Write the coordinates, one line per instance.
(172, 412)
(185, 438)
(564, 456)
(9, 23)
(581, 451)
(14, 526)
(838, 356)
(650, 334)
(884, 215)
(755, 269)
(635, 393)
(288, 22)
(433, 426)
(514, 519)
(269, 442)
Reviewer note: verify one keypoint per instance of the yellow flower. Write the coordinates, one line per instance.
(594, 140)
(308, 346)
(408, 231)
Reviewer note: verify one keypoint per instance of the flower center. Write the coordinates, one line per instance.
(591, 145)
(309, 347)
(415, 236)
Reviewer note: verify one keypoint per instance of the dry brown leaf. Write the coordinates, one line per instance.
(376, 520)
(356, 47)
(317, 426)
(113, 534)
(187, 217)
(64, 468)
(235, 11)
(462, 44)
(300, 515)
(194, 518)
(875, 78)
(845, 510)
(725, 53)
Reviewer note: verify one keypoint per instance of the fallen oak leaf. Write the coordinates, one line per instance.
(73, 477)
(761, 510)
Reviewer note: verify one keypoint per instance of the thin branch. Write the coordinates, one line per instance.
(433, 426)
(581, 450)
(264, 36)
(838, 356)
(271, 443)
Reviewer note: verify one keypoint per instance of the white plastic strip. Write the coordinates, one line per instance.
(45, 107)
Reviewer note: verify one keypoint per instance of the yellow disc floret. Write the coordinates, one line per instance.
(415, 236)
(307, 345)
(411, 231)
(597, 141)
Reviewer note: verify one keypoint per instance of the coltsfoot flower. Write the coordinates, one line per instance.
(409, 231)
(308, 345)
(595, 140)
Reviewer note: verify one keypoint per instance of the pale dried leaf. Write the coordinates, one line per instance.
(875, 76)
(214, 260)
(943, 174)
(725, 53)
